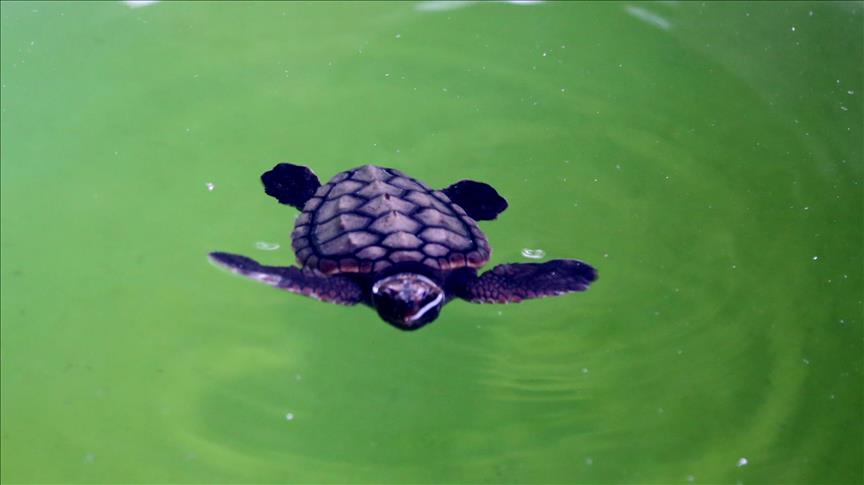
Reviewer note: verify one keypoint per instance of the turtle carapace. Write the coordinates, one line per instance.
(376, 236)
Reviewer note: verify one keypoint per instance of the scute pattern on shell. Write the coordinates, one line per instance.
(370, 218)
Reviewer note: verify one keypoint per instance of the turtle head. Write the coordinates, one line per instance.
(407, 300)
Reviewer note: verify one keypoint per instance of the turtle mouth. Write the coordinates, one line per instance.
(410, 318)
(407, 301)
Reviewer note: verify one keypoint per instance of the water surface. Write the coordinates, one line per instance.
(706, 158)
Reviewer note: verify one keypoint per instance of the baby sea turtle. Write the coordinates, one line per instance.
(376, 236)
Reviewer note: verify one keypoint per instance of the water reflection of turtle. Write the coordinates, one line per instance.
(376, 236)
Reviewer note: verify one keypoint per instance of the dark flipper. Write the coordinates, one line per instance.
(290, 184)
(507, 283)
(335, 289)
(480, 201)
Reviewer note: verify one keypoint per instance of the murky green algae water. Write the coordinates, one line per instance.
(707, 158)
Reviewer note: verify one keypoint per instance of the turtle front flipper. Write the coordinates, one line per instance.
(510, 283)
(480, 201)
(308, 282)
(290, 184)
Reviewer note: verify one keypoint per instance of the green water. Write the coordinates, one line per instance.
(706, 158)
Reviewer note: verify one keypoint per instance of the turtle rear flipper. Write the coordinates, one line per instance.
(510, 283)
(290, 184)
(311, 283)
(479, 200)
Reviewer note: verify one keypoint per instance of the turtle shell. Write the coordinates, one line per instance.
(367, 219)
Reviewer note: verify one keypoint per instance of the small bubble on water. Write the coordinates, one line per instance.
(398, 36)
(584, 370)
(815, 258)
(210, 186)
(742, 462)
(289, 416)
(691, 478)
(589, 461)
(806, 361)
(90, 457)
(266, 246)
(533, 253)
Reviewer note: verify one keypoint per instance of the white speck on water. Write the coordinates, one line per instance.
(843, 108)
(289, 416)
(441, 5)
(584, 370)
(691, 478)
(589, 461)
(806, 361)
(210, 185)
(386, 74)
(734, 266)
(90, 457)
(398, 36)
(815, 258)
(742, 462)
(533, 253)
(810, 13)
(679, 352)
(298, 377)
(266, 246)
(850, 92)
(500, 313)
(544, 54)
(139, 3)
(648, 17)
(793, 28)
